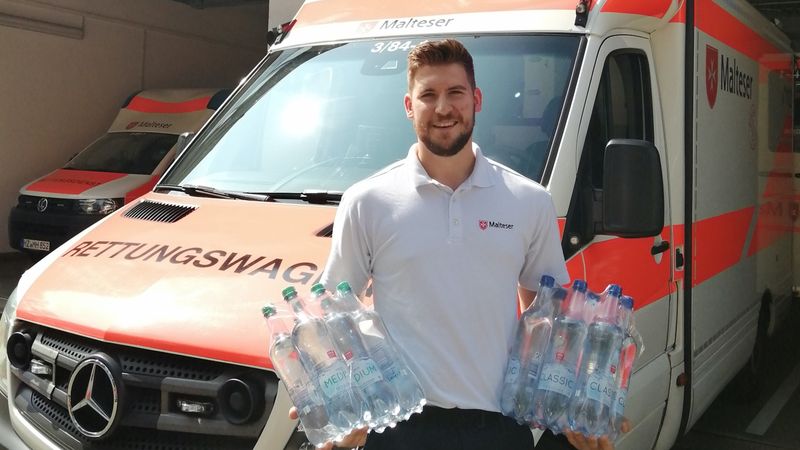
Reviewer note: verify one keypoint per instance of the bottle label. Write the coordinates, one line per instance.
(366, 372)
(304, 396)
(557, 378)
(382, 356)
(533, 369)
(619, 405)
(512, 372)
(333, 381)
(600, 389)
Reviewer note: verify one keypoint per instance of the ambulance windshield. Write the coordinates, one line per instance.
(134, 153)
(323, 117)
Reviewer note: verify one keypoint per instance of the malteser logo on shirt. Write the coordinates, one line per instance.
(484, 224)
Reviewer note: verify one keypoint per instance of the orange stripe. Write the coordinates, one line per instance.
(721, 25)
(331, 11)
(775, 214)
(718, 243)
(653, 8)
(64, 181)
(680, 16)
(141, 190)
(628, 262)
(149, 105)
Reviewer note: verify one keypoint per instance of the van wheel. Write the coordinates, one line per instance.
(749, 383)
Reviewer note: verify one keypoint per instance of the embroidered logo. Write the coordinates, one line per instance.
(484, 224)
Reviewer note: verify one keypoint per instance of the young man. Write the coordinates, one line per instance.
(449, 239)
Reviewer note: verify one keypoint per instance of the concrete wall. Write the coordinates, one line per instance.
(282, 11)
(67, 65)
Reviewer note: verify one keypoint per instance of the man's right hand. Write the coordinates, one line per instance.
(356, 438)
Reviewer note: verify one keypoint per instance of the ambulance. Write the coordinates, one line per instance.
(661, 129)
(112, 171)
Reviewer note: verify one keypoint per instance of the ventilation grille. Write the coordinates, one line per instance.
(69, 346)
(146, 363)
(159, 212)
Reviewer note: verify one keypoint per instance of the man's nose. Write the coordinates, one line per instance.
(443, 106)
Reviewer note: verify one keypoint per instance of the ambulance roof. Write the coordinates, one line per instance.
(320, 21)
(171, 111)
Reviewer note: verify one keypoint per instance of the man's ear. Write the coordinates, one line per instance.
(407, 104)
(478, 98)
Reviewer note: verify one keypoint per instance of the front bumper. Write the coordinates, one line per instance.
(53, 228)
(8, 436)
(152, 381)
(15, 431)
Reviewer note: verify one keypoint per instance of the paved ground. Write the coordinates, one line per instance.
(769, 421)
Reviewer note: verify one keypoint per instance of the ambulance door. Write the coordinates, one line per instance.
(623, 103)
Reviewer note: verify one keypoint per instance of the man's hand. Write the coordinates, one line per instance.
(356, 438)
(582, 442)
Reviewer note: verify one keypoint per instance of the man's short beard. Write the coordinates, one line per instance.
(451, 150)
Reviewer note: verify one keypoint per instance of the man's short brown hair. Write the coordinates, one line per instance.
(434, 53)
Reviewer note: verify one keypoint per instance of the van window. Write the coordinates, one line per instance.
(324, 117)
(622, 109)
(134, 153)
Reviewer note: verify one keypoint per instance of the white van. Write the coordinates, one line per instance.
(115, 169)
(662, 130)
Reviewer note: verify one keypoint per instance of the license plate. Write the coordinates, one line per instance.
(33, 244)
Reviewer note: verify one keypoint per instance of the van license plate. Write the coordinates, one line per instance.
(33, 244)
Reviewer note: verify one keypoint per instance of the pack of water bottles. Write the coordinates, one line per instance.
(339, 365)
(572, 358)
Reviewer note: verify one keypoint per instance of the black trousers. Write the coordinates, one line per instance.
(458, 429)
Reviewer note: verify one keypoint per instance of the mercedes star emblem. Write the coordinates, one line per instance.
(42, 205)
(94, 396)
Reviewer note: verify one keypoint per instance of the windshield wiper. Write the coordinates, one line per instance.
(314, 196)
(207, 191)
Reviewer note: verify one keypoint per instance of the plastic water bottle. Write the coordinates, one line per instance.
(380, 407)
(530, 343)
(590, 407)
(627, 355)
(383, 351)
(302, 389)
(318, 354)
(560, 366)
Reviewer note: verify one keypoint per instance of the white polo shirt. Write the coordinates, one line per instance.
(445, 267)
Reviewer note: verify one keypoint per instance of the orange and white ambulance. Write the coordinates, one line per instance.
(661, 128)
(112, 171)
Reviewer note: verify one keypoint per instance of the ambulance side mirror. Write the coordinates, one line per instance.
(633, 189)
(182, 143)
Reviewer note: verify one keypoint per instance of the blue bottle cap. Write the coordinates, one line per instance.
(614, 289)
(627, 302)
(579, 285)
(547, 281)
(559, 293)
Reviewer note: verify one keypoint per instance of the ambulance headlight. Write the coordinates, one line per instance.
(101, 206)
(6, 322)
